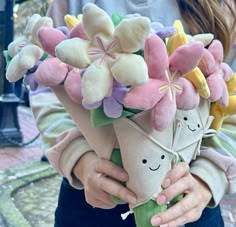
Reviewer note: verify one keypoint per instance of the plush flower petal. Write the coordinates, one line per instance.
(15, 47)
(64, 30)
(143, 97)
(78, 32)
(51, 72)
(138, 27)
(227, 71)
(111, 107)
(186, 57)
(97, 83)
(215, 84)
(23, 61)
(163, 113)
(91, 106)
(96, 20)
(123, 71)
(72, 85)
(217, 50)
(119, 93)
(166, 32)
(188, 98)
(207, 63)
(49, 38)
(156, 56)
(78, 57)
(42, 22)
(30, 81)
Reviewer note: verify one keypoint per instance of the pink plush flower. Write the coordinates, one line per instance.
(52, 72)
(166, 89)
(216, 72)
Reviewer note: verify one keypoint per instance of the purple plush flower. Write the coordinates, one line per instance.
(112, 105)
(161, 31)
(29, 78)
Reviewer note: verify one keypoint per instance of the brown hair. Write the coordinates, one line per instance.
(215, 16)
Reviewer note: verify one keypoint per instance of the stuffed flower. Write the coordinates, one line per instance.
(29, 78)
(112, 105)
(166, 89)
(195, 75)
(52, 72)
(216, 72)
(107, 54)
(162, 31)
(26, 51)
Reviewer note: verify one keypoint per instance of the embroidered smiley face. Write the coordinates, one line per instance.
(192, 127)
(150, 165)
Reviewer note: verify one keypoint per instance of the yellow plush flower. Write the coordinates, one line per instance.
(108, 52)
(72, 21)
(26, 50)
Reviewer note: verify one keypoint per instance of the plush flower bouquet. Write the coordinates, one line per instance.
(133, 86)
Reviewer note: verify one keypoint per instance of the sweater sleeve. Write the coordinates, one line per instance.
(57, 10)
(216, 165)
(64, 144)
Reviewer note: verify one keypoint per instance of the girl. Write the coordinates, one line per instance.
(72, 156)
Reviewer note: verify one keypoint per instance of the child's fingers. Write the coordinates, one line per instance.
(116, 189)
(178, 171)
(110, 169)
(179, 211)
(102, 200)
(184, 185)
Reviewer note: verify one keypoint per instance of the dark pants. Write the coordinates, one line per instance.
(73, 211)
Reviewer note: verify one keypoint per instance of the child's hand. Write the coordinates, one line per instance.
(196, 197)
(96, 174)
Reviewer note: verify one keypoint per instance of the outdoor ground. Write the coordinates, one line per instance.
(29, 187)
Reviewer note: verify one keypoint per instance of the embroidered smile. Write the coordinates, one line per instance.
(193, 130)
(155, 168)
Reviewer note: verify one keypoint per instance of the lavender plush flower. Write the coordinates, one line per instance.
(112, 105)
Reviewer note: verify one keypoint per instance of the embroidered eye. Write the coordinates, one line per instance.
(198, 126)
(185, 118)
(163, 156)
(144, 161)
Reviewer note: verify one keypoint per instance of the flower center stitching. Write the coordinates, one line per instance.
(104, 51)
(171, 84)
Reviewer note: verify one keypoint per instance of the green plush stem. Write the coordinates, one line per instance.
(144, 212)
(116, 158)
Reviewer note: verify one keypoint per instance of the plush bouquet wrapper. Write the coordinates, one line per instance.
(138, 141)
